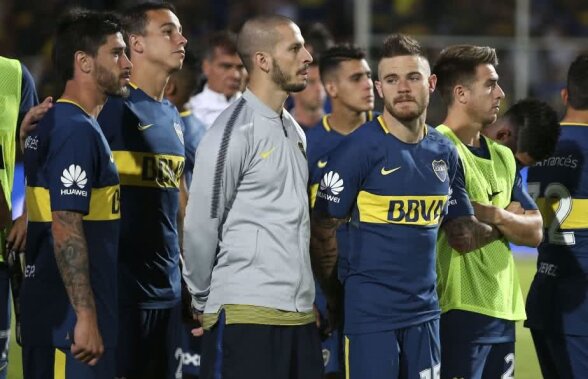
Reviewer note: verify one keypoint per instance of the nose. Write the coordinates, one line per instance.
(307, 56)
(183, 40)
(403, 86)
(125, 62)
(500, 92)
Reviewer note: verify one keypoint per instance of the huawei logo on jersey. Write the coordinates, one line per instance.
(332, 181)
(74, 175)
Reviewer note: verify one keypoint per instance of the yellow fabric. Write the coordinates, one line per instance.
(485, 280)
(39, 204)
(59, 365)
(577, 218)
(347, 358)
(148, 169)
(406, 210)
(251, 314)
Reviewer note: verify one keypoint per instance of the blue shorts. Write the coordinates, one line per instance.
(149, 343)
(411, 352)
(52, 363)
(331, 345)
(560, 355)
(476, 346)
(190, 352)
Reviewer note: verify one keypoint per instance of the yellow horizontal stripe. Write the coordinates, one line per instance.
(104, 204)
(185, 113)
(251, 314)
(148, 169)
(576, 219)
(312, 194)
(573, 124)
(406, 210)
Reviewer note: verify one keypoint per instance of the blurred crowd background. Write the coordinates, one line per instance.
(558, 30)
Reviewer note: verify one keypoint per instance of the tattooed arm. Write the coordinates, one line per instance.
(71, 255)
(323, 254)
(466, 233)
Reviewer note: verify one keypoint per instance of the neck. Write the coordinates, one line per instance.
(407, 131)
(305, 116)
(345, 120)
(467, 130)
(575, 116)
(268, 93)
(86, 94)
(151, 79)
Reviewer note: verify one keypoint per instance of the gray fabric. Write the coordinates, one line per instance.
(246, 231)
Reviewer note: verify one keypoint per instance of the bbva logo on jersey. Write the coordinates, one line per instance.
(332, 182)
(74, 175)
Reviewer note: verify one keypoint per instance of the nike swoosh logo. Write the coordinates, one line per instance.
(266, 154)
(321, 164)
(491, 195)
(144, 127)
(388, 172)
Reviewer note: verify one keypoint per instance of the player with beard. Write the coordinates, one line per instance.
(394, 179)
(246, 231)
(73, 210)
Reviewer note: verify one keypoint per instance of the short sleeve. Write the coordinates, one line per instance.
(28, 93)
(71, 166)
(459, 204)
(520, 194)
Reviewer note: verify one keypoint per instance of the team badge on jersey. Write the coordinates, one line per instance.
(179, 132)
(440, 169)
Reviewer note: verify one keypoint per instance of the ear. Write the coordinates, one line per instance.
(460, 94)
(378, 85)
(263, 61)
(331, 89)
(136, 43)
(432, 83)
(206, 66)
(170, 88)
(564, 96)
(503, 135)
(83, 61)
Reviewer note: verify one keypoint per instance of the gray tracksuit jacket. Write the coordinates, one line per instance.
(246, 230)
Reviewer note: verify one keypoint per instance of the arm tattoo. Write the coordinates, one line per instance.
(465, 234)
(323, 251)
(71, 255)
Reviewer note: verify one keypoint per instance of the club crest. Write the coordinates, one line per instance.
(440, 169)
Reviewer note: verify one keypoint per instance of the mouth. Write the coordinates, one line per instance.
(404, 100)
(181, 52)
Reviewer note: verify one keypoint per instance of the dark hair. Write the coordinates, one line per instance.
(398, 44)
(318, 37)
(135, 18)
(578, 83)
(536, 126)
(81, 30)
(224, 40)
(332, 57)
(457, 65)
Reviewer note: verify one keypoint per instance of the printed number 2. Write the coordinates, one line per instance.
(564, 208)
(509, 373)
(435, 371)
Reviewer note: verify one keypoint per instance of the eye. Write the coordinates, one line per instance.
(392, 80)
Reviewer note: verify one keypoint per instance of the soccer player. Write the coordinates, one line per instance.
(529, 128)
(68, 297)
(19, 89)
(392, 179)
(247, 224)
(557, 303)
(348, 78)
(309, 103)
(145, 134)
(224, 73)
(479, 292)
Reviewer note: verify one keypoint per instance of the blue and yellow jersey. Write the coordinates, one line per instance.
(193, 130)
(146, 139)
(558, 298)
(69, 167)
(395, 195)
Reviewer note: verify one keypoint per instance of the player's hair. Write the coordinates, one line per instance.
(224, 41)
(457, 65)
(398, 44)
(536, 127)
(332, 58)
(259, 34)
(81, 30)
(318, 38)
(577, 83)
(135, 17)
